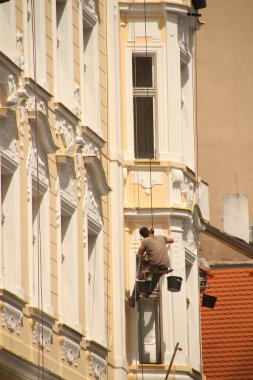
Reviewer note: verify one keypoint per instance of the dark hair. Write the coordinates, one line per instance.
(144, 232)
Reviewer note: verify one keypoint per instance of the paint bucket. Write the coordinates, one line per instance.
(174, 283)
(208, 301)
(144, 286)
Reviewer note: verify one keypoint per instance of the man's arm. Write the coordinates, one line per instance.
(169, 240)
(141, 251)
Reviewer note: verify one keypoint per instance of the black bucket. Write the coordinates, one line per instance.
(208, 301)
(144, 286)
(174, 283)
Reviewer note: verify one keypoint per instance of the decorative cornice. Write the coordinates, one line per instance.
(44, 130)
(98, 174)
(9, 65)
(12, 299)
(39, 315)
(130, 8)
(90, 135)
(62, 112)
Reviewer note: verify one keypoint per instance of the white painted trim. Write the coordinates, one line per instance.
(158, 53)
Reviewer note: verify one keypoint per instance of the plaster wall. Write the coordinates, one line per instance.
(217, 251)
(224, 102)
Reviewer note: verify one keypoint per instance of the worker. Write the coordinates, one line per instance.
(154, 260)
(204, 273)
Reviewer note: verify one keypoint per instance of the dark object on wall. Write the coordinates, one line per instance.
(198, 4)
(174, 283)
(3, 1)
(208, 301)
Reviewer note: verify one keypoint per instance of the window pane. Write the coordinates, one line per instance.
(143, 127)
(149, 331)
(142, 71)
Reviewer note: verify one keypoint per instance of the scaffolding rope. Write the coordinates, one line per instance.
(38, 224)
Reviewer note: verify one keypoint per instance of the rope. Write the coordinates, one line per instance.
(151, 193)
(39, 256)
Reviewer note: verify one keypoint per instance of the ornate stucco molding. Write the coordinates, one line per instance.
(143, 178)
(8, 143)
(12, 310)
(12, 318)
(97, 366)
(20, 50)
(41, 327)
(42, 335)
(66, 183)
(70, 344)
(77, 102)
(70, 351)
(183, 189)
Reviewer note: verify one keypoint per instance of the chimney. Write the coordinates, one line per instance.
(236, 216)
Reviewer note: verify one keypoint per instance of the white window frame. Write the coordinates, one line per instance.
(89, 74)
(8, 29)
(160, 115)
(188, 132)
(149, 344)
(42, 191)
(40, 38)
(93, 225)
(10, 265)
(146, 92)
(64, 56)
(68, 303)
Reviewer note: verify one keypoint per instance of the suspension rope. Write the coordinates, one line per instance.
(37, 209)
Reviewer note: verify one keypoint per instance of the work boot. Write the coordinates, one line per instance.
(130, 301)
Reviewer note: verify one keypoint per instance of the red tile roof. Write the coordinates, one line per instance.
(227, 329)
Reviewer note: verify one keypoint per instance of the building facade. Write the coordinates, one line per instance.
(153, 150)
(54, 190)
(97, 125)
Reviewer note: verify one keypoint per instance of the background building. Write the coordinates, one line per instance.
(224, 106)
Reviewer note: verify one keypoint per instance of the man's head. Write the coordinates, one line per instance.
(144, 232)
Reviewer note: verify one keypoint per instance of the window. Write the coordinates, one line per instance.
(10, 247)
(91, 72)
(143, 106)
(40, 276)
(149, 331)
(69, 293)
(8, 28)
(94, 301)
(93, 281)
(64, 52)
(39, 44)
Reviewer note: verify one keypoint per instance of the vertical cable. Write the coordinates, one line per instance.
(39, 256)
(151, 192)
